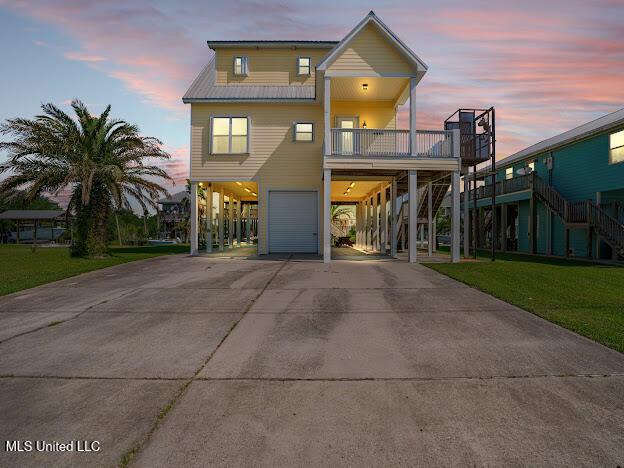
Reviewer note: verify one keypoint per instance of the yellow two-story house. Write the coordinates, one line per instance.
(281, 130)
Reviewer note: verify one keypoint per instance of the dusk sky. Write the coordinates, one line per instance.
(546, 66)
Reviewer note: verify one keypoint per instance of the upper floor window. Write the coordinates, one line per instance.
(240, 66)
(616, 147)
(531, 166)
(304, 132)
(509, 173)
(303, 65)
(230, 135)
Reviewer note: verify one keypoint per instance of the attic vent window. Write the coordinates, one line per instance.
(616, 147)
(303, 66)
(240, 66)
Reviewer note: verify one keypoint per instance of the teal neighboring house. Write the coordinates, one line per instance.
(563, 196)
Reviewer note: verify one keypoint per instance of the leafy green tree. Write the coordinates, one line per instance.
(104, 163)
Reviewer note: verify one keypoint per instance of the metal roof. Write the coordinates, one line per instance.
(273, 44)
(204, 89)
(175, 198)
(31, 215)
(594, 127)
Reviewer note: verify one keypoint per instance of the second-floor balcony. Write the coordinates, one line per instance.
(386, 143)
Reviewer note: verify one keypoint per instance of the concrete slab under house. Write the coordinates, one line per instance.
(282, 131)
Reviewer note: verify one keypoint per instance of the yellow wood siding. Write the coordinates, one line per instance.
(369, 51)
(377, 114)
(275, 160)
(275, 67)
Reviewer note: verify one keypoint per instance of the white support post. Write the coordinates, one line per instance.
(327, 112)
(430, 219)
(365, 225)
(383, 239)
(455, 241)
(393, 218)
(221, 218)
(358, 224)
(194, 216)
(413, 216)
(230, 220)
(248, 224)
(435, 234)
(375, 245)
(412, 117)
(208, 193)
(326, 215)
(467, 214)
(239, 214)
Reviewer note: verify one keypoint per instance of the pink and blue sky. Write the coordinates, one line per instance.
(545, 65)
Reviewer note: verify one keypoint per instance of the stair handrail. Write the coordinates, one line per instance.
(606, 225)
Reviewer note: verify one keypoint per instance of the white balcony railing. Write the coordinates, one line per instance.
(370, 142)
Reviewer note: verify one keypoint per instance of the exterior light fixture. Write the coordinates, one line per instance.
(239, 184)
(364, 86)
(346, 193)
(352, 184)
(349, 189)
(247, 190)
(201, 184)
(254, 194)
(364, 124)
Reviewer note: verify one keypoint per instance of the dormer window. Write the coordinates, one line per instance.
(240, 66)
(303, 66)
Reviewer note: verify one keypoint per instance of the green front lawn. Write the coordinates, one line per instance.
(22, 268)
(583, 297)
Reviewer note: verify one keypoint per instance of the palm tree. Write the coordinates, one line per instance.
(103, 162)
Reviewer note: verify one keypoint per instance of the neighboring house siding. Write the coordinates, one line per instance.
(275, 160)
(369, 51)
(274, 67)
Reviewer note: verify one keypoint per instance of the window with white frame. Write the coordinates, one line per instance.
(304, 131)
(616, 147)
(240, 66)
(230, 135)
(303, 65)
(509, 173)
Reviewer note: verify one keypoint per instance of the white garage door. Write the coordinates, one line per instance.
(293, 221)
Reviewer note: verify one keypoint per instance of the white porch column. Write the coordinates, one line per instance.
(358, 224)
(326, 212)
(208, 193)
(221, 218)
(435, 234)
(430, 219)
(455, 241)
(248, 224)
(327, 111)
(375, 222)
(194, 216)
(383, 239)
(365, 225)
(239, 214)
(412, 117)
(230, 220)
(413, 216)
(467, 214)
(393, 218)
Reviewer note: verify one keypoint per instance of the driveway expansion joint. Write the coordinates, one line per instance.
(131, 455)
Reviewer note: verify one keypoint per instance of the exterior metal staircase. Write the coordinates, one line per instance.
(581, 213)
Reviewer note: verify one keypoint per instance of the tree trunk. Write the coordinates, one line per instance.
(91, 223)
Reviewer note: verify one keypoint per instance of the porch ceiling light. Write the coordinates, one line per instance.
(352, 184)
(346, 193)
(247, 190)
(364, 86)
(364, 124)
(254, 194)
(239, 184)
(201, 184)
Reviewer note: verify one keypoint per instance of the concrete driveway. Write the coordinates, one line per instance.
(183, 361)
